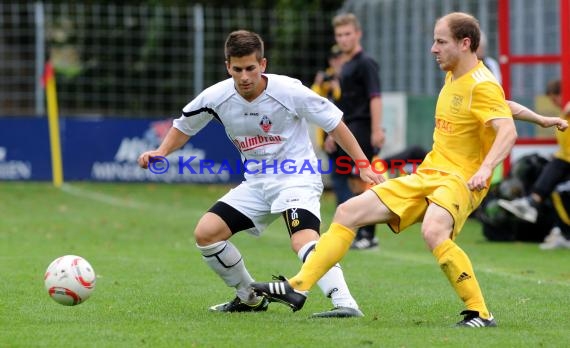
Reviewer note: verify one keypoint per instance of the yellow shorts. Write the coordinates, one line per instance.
(408, 197)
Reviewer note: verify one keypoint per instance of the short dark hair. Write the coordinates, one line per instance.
(553, 87)
(463, 25)
(241, 43)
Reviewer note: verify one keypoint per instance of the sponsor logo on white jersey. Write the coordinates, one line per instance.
(250, 143)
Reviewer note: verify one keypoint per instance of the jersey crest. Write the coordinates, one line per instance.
(456, 102)
(265, 124)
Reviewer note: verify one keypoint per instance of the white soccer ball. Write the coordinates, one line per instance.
(70, 280)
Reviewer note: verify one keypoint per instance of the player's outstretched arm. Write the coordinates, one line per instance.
(344, 137)
(522, 113)
(174, 140)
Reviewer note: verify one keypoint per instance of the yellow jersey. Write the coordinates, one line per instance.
(462, 136)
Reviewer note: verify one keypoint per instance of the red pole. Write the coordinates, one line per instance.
(504, 61)
(565, 49)
(505, 45)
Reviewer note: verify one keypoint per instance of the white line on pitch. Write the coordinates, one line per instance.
(104, 198)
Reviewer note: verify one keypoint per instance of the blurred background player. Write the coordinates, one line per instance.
(327, 84)
(361, 104)
(555, 172)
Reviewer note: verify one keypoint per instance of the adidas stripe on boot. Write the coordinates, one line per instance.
(472, 319)
(282, 292)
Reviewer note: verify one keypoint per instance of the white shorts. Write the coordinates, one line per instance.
(263, 201)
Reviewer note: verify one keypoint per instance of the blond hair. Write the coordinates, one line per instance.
(346, 19)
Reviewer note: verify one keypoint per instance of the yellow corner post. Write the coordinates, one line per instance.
(53, 122)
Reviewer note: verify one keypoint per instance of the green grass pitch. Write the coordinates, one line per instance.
(153, 289)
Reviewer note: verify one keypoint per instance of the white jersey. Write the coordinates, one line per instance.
(271, 131)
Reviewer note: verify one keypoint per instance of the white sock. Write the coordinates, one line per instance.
(225, 259)
(332, 283)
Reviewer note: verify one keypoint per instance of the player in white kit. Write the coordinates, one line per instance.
(265, 116)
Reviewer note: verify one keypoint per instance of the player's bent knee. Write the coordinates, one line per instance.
(210, 230)
(434, 234)
(345, 215)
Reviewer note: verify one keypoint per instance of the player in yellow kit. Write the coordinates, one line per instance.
(474, 131)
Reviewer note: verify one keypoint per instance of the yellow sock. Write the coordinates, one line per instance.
(331, 247)
(456, 265)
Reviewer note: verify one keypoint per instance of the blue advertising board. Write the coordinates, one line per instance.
(24, 149)
(106, 149)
